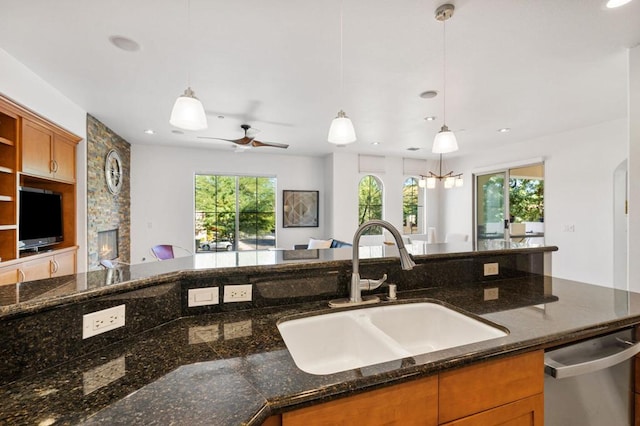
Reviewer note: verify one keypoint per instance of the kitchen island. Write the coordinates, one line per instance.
(232, 367)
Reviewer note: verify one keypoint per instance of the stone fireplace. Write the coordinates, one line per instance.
(108, 244)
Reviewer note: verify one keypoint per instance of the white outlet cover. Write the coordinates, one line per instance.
(491, 269)
(102, 321)
(237, 293)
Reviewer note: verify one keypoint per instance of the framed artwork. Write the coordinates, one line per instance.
(299, 209)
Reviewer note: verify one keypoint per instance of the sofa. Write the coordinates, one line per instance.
(315, 243)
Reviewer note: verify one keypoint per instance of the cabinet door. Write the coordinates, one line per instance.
(525, 412)
(64, 264)
(37, 149)
(64, 159)
(490, 384)
(412, 403)
(9, 275)
(36, 269)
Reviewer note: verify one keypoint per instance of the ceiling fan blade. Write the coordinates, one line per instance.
(272, 144)
(220, 139)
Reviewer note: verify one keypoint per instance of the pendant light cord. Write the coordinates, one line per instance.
(341, 56)
(188, 41)
(444, 71)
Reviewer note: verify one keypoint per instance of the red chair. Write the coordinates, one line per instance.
(163, 251)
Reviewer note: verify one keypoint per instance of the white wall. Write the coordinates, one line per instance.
(26, 88)
(634, 169)
(162, 191)
(579, 170)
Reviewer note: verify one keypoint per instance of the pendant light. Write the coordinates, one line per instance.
(445, 141)
(188, 112)
(341, 131)
(450, 179)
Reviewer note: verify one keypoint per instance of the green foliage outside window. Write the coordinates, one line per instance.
(526, 199)
(410, 206)
(370, 203)
(219, 199)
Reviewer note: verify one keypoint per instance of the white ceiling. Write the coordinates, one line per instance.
(535, 66)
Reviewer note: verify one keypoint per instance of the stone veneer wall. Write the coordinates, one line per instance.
(105, 210)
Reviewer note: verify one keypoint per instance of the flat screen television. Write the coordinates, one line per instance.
(40, 218)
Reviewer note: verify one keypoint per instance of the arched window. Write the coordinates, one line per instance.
(410, 195)
(370, 202)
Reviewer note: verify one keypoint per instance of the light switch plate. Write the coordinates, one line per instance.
(203, 296)
(491, 269)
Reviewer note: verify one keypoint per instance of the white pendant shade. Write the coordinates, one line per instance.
(341, 131)
(188, 112)
(459, 182)
(431, 182)
(445, 141)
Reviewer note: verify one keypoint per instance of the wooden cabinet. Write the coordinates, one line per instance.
(46, 153)
(35, 153)
(507, 391)
(41, 266)
(524, 412)
(8, 183)
(408, 403)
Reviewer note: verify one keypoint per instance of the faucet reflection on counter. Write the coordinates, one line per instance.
(358, 284)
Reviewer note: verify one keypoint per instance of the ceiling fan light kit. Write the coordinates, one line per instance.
(188, 112)
(341, 131)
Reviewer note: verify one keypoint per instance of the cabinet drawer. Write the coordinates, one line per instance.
(405, 404)
(490, 384)
(525, 412)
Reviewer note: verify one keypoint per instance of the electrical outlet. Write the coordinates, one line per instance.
(237, 293)
(569, 228)
(102, 321)
(203, 296)
(491, 293)
(491, 269)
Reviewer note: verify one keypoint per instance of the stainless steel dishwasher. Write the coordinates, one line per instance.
(590, 383)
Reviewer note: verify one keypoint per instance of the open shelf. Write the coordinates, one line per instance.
(6, 170)
(8, 227)
(6, 198)
(6, 141)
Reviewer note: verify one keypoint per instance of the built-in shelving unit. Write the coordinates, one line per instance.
(9, 133)
(37, 153)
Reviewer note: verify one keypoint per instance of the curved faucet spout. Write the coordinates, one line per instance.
(356, 283)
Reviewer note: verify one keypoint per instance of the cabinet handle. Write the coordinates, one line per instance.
(54, 166)
(21, 276)
(54, 266)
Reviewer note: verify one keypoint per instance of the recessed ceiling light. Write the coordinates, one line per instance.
(221, 117)
(429, 94)
(375, 143)
(149, 132)
(341, 146)
(413, 148)
(611, 4)
(177, 132)
(431, 118)
(124, 43)
(504, 130)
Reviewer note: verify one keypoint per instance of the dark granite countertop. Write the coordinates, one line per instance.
(31, 296)
(233, 368)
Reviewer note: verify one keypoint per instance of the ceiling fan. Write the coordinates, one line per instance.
(249, 140)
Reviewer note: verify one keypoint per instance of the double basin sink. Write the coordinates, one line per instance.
(344, 340)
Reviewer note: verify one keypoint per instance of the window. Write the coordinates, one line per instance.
(410, 194)
(234, 212)
(510, 206)
(370, 203)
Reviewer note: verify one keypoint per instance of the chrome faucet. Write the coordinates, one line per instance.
(357, 284)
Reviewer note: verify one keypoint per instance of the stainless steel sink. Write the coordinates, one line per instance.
(340, 341)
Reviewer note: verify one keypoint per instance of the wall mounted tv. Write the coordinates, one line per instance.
(40, 218)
